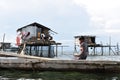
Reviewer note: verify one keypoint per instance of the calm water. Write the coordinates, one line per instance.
(52, 75)
(92, 58)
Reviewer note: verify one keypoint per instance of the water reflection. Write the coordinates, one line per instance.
(29, 79)
(115, 78)
(54, 75)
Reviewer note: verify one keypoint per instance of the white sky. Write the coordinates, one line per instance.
(67, 17)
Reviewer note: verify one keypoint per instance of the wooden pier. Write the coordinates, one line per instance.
(26, 62)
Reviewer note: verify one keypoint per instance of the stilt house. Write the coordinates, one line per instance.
(89, 39)
(38, 39)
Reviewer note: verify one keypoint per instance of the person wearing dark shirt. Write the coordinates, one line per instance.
(83, 48)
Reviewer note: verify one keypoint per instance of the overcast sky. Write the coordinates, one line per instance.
(67, 17)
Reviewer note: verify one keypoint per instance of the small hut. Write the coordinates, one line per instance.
(91, 41)
(5, 45)
(88, 38)
(38, 40)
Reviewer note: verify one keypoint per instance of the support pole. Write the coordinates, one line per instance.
(3, 45)
(102, 50)
(117, 48)
(56, 50)
(62, 50)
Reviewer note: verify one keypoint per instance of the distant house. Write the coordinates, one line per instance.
(5, 45)
(89, 39)
(38, 40)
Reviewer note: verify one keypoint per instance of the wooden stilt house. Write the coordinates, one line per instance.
(90, 40)
(38, 39)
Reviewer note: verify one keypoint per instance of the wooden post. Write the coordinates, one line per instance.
(102, 50)
(22, 51)
(94, 50)
(41, 54)
(56, 50)
(49, 51)
(30, 51)
(62, 50)
(109, 45)
(3, 45)
(117, 49)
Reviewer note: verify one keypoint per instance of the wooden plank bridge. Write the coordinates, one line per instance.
(26, 62)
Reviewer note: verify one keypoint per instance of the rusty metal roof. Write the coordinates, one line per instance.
(34, 24)
(84, 36)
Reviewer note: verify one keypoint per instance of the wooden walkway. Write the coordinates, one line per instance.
(39, 63)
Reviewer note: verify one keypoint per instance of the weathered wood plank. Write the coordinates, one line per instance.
(40, 63)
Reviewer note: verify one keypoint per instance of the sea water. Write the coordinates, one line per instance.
(54, 75)
(90, 57)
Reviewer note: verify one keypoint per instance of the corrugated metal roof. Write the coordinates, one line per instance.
(34, 24)
(84, 36)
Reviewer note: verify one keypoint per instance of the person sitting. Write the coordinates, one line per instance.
(83, 49)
